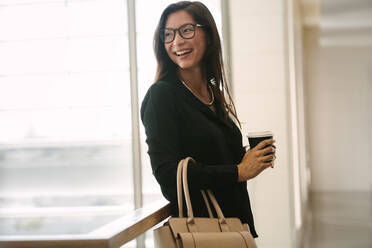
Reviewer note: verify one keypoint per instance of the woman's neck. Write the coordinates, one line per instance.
(195, 79)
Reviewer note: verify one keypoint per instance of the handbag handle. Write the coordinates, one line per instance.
(179, 189)
(190, 213)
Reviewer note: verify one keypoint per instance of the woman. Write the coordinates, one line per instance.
(186, 114)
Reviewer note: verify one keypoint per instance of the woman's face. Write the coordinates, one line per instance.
(186, 53)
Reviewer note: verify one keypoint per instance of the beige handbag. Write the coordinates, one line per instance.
(199, 232)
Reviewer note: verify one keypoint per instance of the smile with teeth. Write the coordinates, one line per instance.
(179, 53)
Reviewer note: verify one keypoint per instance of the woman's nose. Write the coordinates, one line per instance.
(178, 39)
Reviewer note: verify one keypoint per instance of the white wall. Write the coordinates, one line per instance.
(338, 88)
(261, 76)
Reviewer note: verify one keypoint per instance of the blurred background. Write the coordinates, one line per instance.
(73, 74)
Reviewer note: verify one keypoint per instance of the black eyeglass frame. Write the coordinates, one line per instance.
(194, 25)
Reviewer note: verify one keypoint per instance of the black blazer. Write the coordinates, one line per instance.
(179, 125)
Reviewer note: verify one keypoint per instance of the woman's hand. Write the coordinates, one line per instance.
(255, 160)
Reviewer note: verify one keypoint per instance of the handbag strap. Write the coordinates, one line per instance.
(215, 204)
(182, 167)
(221, 218)
(190, 214)
(179, 189)
(206, 203)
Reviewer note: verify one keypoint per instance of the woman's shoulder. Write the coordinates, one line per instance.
(164, 89)
(161, 94)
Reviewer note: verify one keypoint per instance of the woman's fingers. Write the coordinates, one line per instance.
(267, 158)
(256, 160)
(268, 164)
(265, 151)
(264, 143)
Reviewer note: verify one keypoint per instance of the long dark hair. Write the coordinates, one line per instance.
(212, 59)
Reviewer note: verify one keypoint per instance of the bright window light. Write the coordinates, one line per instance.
(65, 116)
(65, 112)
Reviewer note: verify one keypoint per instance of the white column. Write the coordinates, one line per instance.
(262, 63)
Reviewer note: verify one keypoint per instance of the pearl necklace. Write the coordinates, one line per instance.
(206, 103)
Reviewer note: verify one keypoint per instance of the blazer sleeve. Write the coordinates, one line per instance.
(159, 115)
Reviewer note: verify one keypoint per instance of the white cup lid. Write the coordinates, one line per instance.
(260, 134)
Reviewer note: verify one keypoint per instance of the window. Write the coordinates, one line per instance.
(66, 163)
(65, 116)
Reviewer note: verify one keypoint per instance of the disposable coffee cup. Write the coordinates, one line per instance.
(256, 137)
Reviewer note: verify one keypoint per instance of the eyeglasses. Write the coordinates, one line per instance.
(186, 31)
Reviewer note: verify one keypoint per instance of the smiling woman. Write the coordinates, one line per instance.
(146, 12)
(186, 49)
(185, 114)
